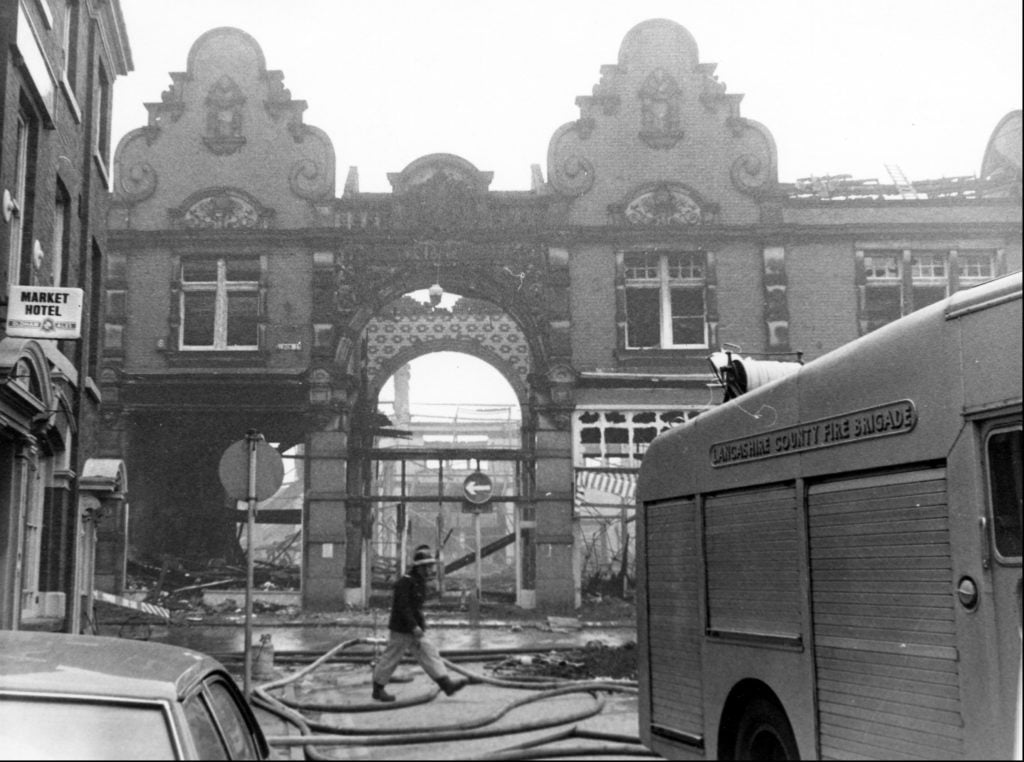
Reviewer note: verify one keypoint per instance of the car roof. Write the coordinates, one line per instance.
(99, 666)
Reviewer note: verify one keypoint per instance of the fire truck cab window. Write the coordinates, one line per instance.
(1004, 467)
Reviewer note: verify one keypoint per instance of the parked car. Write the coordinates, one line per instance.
(86, 697)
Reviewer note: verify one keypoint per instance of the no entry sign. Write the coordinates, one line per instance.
(478, 488)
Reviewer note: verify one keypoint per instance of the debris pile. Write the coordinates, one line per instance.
(596, 660)
(179, 585)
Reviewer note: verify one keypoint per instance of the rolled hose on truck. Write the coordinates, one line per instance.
(315, 734)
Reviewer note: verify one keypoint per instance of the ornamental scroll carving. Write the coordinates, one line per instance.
(570, 172)
(137, 183)
(754, 171)
(445, 201)
(512, 276)
(224, 210)
(308, 181)
(667, 205)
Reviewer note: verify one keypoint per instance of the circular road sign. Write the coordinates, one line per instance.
(477, 488)
(234, 470)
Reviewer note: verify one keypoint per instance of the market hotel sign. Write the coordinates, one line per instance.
(36, 312)
(870, 423)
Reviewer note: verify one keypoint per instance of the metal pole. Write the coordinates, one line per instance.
(440, 529)
(403, 527)
(479, 553)
(516, 518)
(251, 438)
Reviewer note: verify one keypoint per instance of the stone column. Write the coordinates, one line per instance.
(325, 542)
(553, 537)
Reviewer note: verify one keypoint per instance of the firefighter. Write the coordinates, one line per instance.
(407, 627)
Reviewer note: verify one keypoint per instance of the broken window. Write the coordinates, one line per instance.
(666, 303)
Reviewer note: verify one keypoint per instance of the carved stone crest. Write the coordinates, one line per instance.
(666, 204)
(222, 210)
(659, 102)
(224, 117)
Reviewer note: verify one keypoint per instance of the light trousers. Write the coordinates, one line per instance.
(398, 644)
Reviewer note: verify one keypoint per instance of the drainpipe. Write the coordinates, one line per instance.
(73, 578)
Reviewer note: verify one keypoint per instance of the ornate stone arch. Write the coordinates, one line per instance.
(390, 366)
(25, 381)
(367, 284)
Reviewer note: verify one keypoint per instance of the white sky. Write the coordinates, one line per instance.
(844, 86)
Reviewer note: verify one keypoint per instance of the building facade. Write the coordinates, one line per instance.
(61, 507)
(243, 292)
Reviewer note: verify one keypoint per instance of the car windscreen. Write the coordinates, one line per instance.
(48, 727)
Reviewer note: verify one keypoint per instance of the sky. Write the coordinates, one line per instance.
(844, 87)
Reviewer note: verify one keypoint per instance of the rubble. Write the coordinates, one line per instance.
(179, 585)
(594, 661)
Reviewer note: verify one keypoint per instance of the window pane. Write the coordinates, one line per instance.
(199, 270)
(204, 732)
(881, 306)
(242, 322)
(60, 729)
(641, 267)
(686, 266)
(643, 317)
(247, 269)
(199, 310)
(688, 316)
(975, 266)
(928, 266)
(231, 722)
(1004, 468)
(882, 267)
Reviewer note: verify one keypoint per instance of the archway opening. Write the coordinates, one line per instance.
(444, 418)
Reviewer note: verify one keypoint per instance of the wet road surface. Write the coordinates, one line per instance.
(225, 639)
(481, 720)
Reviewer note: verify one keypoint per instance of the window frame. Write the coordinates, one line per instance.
(667, 281)
(102, 107)
(913, 274)
(16, 236)
(221, 288)
(996, 429)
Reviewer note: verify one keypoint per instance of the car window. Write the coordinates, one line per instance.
(232, 721)
(204, 732)
(49, 728)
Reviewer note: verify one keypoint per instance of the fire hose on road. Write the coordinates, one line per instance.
(318, 734)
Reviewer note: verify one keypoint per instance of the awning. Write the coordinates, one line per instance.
(605, 483)
(128, 603)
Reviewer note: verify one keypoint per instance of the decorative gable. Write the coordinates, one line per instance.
(660, 116)
(227, 122)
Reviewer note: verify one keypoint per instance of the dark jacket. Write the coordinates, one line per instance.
(407, 604)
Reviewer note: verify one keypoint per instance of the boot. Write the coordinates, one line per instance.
(451, 687)
(380, 694)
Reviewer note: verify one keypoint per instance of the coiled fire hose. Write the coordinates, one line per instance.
(330, 735)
